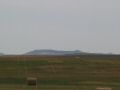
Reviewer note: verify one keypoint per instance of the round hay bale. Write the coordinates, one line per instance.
(31, 81)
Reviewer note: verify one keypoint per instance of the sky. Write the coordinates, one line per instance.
(87, 25)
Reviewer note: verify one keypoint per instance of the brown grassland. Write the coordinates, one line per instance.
(84, 72)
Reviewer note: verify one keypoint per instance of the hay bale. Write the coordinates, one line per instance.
(31, 81)
(103, 88)
(77, 57)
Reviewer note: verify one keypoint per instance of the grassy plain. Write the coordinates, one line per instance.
(84, 72)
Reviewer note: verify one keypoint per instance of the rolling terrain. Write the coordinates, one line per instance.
(54, 52)
(83, 72)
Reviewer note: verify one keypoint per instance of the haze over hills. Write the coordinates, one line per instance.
(54, 52)
(1, 54)
(58, 52)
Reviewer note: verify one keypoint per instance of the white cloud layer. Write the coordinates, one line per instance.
(90, 25)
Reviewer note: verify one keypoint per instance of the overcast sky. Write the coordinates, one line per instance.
(87, 25)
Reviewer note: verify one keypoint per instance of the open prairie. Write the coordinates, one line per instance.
(84, 72)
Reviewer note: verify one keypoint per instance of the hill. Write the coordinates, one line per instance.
(1, 54)
(53, 52)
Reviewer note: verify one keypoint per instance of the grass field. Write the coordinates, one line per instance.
(85, 72)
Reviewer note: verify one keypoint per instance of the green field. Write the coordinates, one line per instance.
(85, 72)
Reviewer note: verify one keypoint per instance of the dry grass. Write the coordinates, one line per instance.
(60, 72)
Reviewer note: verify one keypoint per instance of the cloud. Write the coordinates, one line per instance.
(47, 4)
(86, 24)
(40, 3)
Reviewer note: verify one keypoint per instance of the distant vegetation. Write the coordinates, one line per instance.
(81, 72)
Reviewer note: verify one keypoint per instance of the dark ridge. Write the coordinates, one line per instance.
(54, 52)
